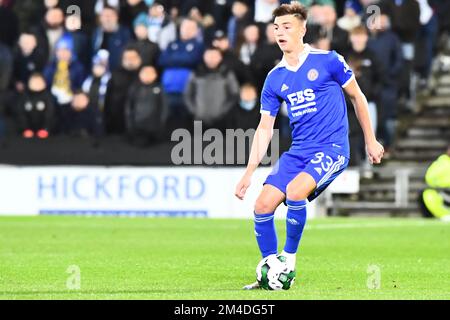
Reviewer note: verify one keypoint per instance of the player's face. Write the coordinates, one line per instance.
(289, 32)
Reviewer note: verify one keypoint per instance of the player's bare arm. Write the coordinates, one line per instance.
(261, 141)
(375, 150)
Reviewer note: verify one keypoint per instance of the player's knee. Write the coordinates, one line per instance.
(263, 206)
(294, 193)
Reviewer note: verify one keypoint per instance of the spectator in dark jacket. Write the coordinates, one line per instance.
(371, 77)
(148, 50)
(118, 87)
(6, 67)
(246, 114)
(6, 63)
(35, 110)
(405, 21)
(96, 86)
(248, 43)
(387, 47)
(83, 118)
(326, 17)
(29, 13)
(266, 57)
(178, 61)
(239, 20)
(28, 58)
(230, 59)
(146, 109)
(50, 30)
(9, 26)
(130, 10)
(212, 91)
(64, 75)
(81, 42)
(111, 36)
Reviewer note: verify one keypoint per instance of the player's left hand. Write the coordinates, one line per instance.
(375, 152)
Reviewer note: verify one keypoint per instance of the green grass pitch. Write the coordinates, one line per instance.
(190, 259)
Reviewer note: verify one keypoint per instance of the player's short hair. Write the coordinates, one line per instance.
(294, 8)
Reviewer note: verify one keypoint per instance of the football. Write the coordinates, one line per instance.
(272, 273)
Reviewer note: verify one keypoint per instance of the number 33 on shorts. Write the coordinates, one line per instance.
(325, 167)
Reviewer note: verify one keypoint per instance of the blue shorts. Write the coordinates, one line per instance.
(323, 163)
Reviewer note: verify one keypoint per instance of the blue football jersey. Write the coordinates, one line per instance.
(314, 98)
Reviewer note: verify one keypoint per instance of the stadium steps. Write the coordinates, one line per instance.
(422, 137)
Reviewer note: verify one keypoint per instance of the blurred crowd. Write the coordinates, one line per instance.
(141, 68)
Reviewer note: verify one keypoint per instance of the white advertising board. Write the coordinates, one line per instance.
(130, 191)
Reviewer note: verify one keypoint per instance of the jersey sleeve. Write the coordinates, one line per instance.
(340, 70)
(270, 103)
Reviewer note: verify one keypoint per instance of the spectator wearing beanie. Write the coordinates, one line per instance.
(64, 75)
(96, 86)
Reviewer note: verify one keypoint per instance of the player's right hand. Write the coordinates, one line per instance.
(242, 187)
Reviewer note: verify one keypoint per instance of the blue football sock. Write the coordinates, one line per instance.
(266, 235)
(295, 223)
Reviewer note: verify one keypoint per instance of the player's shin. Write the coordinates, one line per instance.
(266, 235)
(295, 223)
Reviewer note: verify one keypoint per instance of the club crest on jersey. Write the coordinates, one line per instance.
(313, 74)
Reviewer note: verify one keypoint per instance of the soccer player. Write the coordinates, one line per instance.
(310, 82)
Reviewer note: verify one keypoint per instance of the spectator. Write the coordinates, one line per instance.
(28, 59)
(239, 20)
(371, 77)
(148, 50)
(116, 95)
(230, 59)
(221, 12)
(64, 75)
(178, 61)
(83, 118)
(405, 19)
(9, 26)
(246, 114)
(427, 39)
(146, 109)
(5, 80)
(212, 91)
(35, 110)
(29, 13)
(50, 30)
(266, 57)
(161, 29)
(323, 19)
(111, 36)
(321, 41)
(6, 67)
(96, 86)
(206, 23)
(79, 38)
(352, 16)
(100, 5)
(264, 10)
(248, 45)
(130, 10)
(387, 47)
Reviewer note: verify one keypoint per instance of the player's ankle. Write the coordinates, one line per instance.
(290, 259)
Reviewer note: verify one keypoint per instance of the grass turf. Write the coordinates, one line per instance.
(122, 258)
